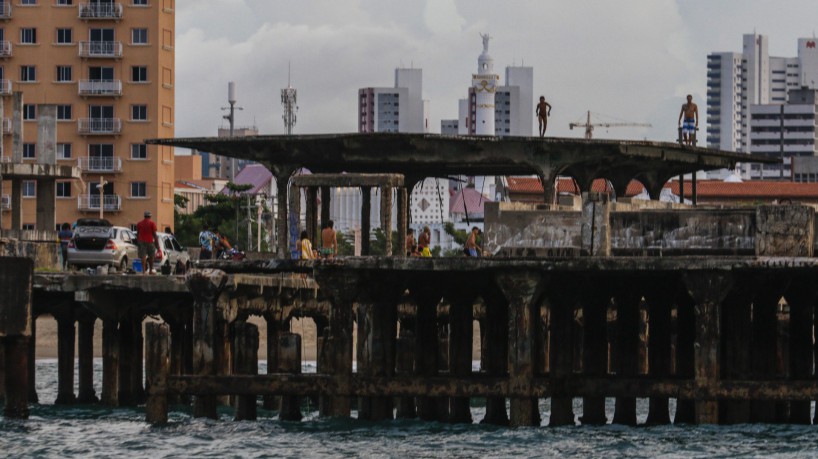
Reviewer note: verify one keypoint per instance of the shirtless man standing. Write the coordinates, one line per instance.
(690, 111)
(329, 241)
(543, 111)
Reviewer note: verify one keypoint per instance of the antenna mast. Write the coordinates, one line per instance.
(289, 97)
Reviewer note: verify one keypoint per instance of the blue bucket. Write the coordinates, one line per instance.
(137, 266)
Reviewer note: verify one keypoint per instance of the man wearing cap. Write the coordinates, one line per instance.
(147, 241)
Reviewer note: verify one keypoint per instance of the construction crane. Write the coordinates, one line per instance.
(589, 127)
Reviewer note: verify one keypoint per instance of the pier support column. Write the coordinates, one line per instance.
(282, 176)
(523, 290)
(659, 345)
(377, 330)
(32, 363)
(426, 295)
(311, 215)
(494, 349)
(2, 373)
(685, 368)
(402, 221)
(736, 331)
(801, 298)
(764, 349)
(708, 290)
(16, 363)
(626, 349)
(85, 344)
(366, 224)
(289, 361)
(206, 287)
(561, 304)
(137, 359)
(157, 369)
(386, 219)
(110, 362)
(15, 329)
(342, 289)
(461, 330)
(126, 363)
(275, 327)
(595, 297)
(405, 365)
(245, 362)
(326, 201)
(66, 340)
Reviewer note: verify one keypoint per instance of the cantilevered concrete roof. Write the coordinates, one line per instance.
(428, 155)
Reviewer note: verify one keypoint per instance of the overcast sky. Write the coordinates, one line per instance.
(631, 60)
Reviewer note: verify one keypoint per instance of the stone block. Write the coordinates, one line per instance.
(785, 231)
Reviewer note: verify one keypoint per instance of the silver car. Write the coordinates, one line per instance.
(170, 255)
(102, 245)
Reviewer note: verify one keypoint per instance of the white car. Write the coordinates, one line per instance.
(102, 245)
(170, 254)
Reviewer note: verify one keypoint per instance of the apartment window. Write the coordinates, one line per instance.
(28, 73)
(28, 36)
(65, 2)
(139, 112)
(64, 73)
(140, 3)
(139, 74)
(29, 112)
(139, 151)
(29, 188)
(63, 189)
(29, 150)
(139, 190)
(63, 151)
(139, 36)
(28, 226)
(64, 37)
(28, 2)
(64, 112)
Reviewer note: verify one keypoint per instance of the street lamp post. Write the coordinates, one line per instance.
(101, 188)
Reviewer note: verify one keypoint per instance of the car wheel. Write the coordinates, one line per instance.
(123, 265)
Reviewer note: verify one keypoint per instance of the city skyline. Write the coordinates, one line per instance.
(633, 60)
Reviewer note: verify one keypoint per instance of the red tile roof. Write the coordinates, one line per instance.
(473, 199)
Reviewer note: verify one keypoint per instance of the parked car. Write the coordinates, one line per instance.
(95, 243)
(170, 254)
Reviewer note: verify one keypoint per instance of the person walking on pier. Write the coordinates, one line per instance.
(304, 247)
(543, 111)
(690, 125)
(329, 241)
(148, 242)
(65, 234)
(472, 250)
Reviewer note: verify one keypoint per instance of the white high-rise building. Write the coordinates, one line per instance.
(397, 109)
(484, 85)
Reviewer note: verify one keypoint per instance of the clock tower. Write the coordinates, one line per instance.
(484, 83)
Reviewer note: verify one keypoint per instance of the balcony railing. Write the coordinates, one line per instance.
(101, 49)
(99, 126)
(100, 88)
(5, 9)
(5, 48)
(97, 10)
(110, 202)
(6, 125)
(100, 164)
(5, 202)
(5, 87)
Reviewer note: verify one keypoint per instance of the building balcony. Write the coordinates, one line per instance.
(103, 11)
(100, 165)
(100, 88)
(99, 126)
(5, 202)
(5, 9)
(5, 48)
(90, 203)
(100, 49)
(6, 126)
(5, 87)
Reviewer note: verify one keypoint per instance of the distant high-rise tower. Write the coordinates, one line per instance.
(288, 101)
(484, 83)
(397, 109)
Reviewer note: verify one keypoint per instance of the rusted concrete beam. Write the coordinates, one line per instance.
(157, 371)
(245, 353)
(289, 361)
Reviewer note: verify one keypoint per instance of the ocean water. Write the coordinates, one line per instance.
(93, 431)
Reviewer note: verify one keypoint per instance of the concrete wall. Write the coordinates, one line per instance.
(516, 229)
(41, 246)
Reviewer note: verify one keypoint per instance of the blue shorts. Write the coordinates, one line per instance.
(472, 252)
(689, 126)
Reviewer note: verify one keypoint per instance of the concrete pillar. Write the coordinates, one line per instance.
(17, 128)
(2, 373)
(736, 332)
(626, 348)
(275, 327)
(764, 348)
(312, 215)
(342, 289)
(15, 331)
(523, 291)
(460, 351)
(125, 391)
(596, 234)
(16, 363)
(157, 369)
(801, 297)
(289, 361)
(66, 340)
(85, 345)
(206, 287)
(561, 303)
(402, 209)
(282, 225)
(659, 347)
(177, 339)
(32, 366)
(708, 290)
(386, 218)
(405, 365)
(47, 134)
(46, 205)
(326, 203)
(294, 217)
(685, 367)
(16, 204)
(366, 211)
(494, 350)
(137, 359)
(245, 362)
(595, 297)
(427, 296)
(110, 362)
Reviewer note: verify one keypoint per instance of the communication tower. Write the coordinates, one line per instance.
(288, 101)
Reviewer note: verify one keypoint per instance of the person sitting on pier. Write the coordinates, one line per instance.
(329, 241)
(305, 249)
(424, 242)
(410, 244)
(206, 243)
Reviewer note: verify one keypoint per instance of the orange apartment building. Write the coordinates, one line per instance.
(109, 68)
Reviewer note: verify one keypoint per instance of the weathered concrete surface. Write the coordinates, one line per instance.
(35, 171)
(787, 231)
(42, 247)
(15, 296)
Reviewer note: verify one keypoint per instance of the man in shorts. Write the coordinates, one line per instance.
(543, 111)
(690, 112)
(472, 249)
(329, 241)
(148, 242)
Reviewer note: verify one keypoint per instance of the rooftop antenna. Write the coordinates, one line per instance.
(289, 97)
(230, 117)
